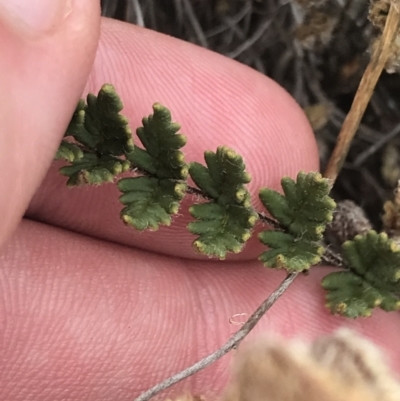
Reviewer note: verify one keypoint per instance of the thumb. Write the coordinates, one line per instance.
(47, 49)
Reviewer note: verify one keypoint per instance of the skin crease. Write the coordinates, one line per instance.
(87, 319)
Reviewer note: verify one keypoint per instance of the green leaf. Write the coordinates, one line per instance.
(224, 177)
(93, 169)
(373, 279)
(288, 253)
(305, 208)
(69, 152)
(351, 296)
(150, 202)
(99, 126)
(100, 141)
(221, 228)
(225, 223)
(78, 119)
(161, 156)
(303, 212)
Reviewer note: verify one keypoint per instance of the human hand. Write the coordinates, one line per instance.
(86, 318)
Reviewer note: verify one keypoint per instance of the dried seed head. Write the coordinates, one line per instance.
(339, 367)
(348, 221)
(378, 12)
(356, 360)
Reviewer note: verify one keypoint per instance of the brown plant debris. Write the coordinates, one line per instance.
(348, 221)
(339, 367)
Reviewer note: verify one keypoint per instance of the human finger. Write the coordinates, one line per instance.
(47, 51)
(83, 319)
(218, 102)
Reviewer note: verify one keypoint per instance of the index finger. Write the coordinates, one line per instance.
(216, 100)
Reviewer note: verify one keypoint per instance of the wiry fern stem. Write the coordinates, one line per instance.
(232, 343)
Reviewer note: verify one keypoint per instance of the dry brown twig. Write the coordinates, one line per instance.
(365, 90)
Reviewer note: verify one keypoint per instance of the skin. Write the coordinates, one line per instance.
(90, 309)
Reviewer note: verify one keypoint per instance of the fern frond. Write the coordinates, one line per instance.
(224, 224)
(150, 201)
(69, 151)
(99, 126)
(303, 212)
(373, 279)
(161, 156)
(101, 139)
(288, 253)
(305, 208)
(94, 170)
(221, 228)
(98, 146)
(224, 177)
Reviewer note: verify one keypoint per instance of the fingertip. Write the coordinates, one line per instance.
(216, 100)
(41, 79)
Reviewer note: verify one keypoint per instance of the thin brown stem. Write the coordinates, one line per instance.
(363, 94)
(332, 258)
(232, 343)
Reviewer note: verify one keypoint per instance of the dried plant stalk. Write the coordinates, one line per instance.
(349, 220)
(363, 95)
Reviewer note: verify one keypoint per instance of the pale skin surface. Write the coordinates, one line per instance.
(84, 318)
